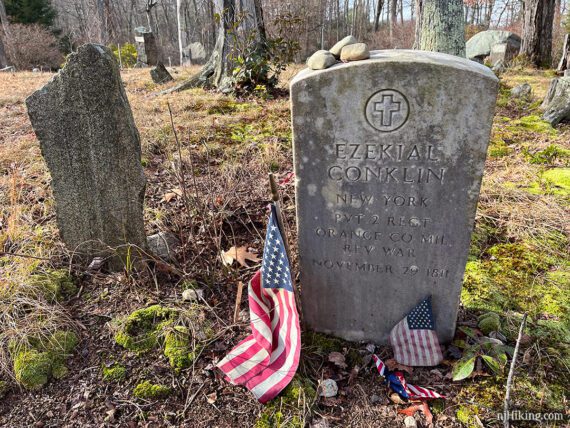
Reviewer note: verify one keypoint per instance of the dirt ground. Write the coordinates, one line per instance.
(227, 147)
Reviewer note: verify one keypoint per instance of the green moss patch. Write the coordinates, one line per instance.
(114, 373)
(142, 330)
(549, 156)
(554, 181)
(159, 327)
(178, 348)
(517, 276)
(54, 285)
(287, 410)
(38, 360)
(533, 123)
(150, 391)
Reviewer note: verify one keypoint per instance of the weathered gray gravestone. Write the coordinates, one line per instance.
(389, 155)
(147, 49)
(89, 140)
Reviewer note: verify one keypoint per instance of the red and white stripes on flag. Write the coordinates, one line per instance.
(414, 392)
(414, 339)
(266, 361)
(417, 392)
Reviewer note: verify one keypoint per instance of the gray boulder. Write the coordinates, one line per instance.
(163, 245)
(557, 102)
(521, 91)
(481, 44)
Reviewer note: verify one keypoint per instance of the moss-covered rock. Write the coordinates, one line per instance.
(54, 285)
(488, 322)
(151, 391)
(114, 373)
(62, 342)
(38, 360)
(178, 348)
(142, 330)
(287, 410)
(32, 368)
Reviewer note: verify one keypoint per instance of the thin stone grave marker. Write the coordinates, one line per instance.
(91, 145)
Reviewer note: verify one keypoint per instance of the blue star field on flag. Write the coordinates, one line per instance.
(275, 265)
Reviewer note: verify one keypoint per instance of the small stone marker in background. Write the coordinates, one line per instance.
(389, 156)
(91, 145)
(147, 48)
(160, 74)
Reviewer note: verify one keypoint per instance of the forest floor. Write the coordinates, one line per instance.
(212, 191)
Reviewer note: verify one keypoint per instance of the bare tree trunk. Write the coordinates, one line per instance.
(7, 44)
(393, 17)
(179, 28)
(217, 71)
(564, 63)
(419, 13)
(537, 31)
(379, 6)
(441, 27)
(3, 59)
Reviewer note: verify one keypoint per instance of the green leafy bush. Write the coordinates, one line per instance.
(258, 61)
(128, 54)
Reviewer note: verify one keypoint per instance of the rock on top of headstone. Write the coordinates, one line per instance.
(91, 145)
(337, 48)
(389, 156)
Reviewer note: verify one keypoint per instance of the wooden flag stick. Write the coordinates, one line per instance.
(238, 301)
(277, 201)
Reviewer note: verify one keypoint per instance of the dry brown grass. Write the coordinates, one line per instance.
(227, 147)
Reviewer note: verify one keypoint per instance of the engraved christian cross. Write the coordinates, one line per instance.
(386, 109)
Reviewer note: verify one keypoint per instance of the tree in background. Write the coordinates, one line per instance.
(537, 31)
(4, 22)
(440, 26)
(3, 58)
(241, 54)
(30, 12)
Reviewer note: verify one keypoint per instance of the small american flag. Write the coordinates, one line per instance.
(398, 384)
(414, 338)
(265, 361)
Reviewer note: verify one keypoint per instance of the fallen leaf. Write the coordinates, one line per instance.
(338, 359)
(427, 413)
(423, 407)
(172, 194)
(240, 254)
(393, 365)
(410, 411)
(396, 399)
(212, 397)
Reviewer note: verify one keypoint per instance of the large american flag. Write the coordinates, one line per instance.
(414, 338)
(397, 382)
(265, 361)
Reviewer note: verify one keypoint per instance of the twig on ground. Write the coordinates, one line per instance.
(506, 422)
